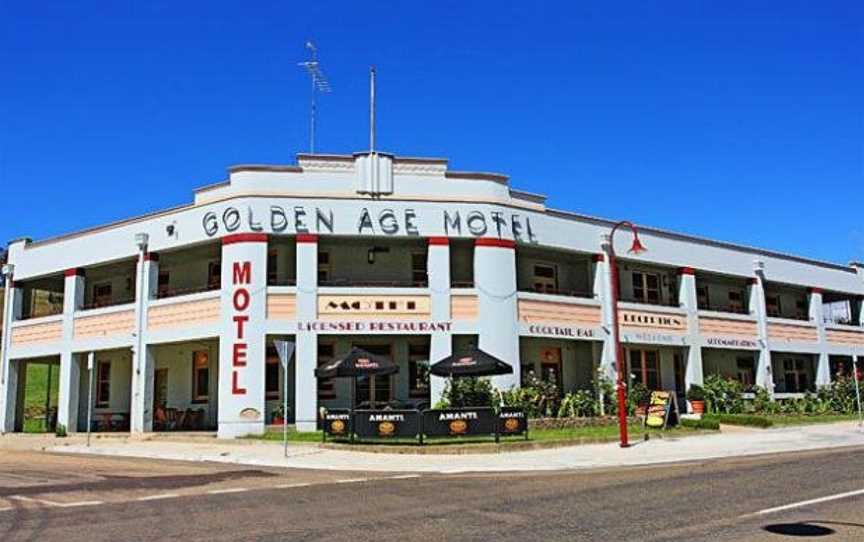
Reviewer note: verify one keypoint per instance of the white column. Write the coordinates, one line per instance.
(8, 369)
(306, 353)
(143, 363)
(816, 314)
(438, 268)
(603, 292)
(498, 327)
(241, 342)
(689, 301)
(67, 394)
(764, 377)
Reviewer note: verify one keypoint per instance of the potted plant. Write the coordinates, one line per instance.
(278, 415)
(638, 396)
(696, 397)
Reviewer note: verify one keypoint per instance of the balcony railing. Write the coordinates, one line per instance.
(840, 321)
(734, 309)
(462, 284)
(50, 310)
(671, 303)
(101, 303)
(163, 293)
(281, 282)
(797, 316)
(557, 291)
(374, 283)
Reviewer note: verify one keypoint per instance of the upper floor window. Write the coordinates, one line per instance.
(272, 266)
(736, 301)
(323, 266)
(214, 275)
(163, 283)
(545, 278)
(419, 269)
(102, 294)
(646, 287)
(702, 296)
(772, 305)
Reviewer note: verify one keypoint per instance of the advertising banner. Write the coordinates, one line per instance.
(387, 423)
(337, 423)
(662, 410)
(454, 422)
(512, 421)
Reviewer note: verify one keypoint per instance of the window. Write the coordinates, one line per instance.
(645, 366)
(102, 294)
(162, 287)
(103, 384)
(646, 287)
(795, 375)
(419, 276)
(736, 301)
(527, 374)
(323, 267)
(802, 309)
(745, 371)
(271, 374)
(325, 385)
(382, 387)
(772, 305)
(551, 367)
(678, 367)
(702, 299)
(272, 266)
(200, 376)
(418, 370)
(214, 275)
(545, 278)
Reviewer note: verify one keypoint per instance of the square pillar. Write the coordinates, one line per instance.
(69, 380)
(242, 337)
(764, 374)
(603, 292)
(438, 266)
(141, 407)
(306, 353)
(816, 314)
(693, 373)
(497, 325)
(8, 370)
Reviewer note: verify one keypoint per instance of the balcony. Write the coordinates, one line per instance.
(42, 297)
(717, 293)
(787, 302)
(643, 284)
(362, 263)
(189, 271)
(554, 272)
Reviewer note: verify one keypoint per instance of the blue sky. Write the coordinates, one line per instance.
(719, 119)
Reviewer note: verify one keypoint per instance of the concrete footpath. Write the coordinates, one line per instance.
(667, 450)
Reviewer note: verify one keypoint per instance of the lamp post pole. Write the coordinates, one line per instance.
(620, 362)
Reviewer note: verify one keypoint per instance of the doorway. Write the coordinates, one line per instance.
(378, 390)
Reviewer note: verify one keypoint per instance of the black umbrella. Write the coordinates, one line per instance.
(358, 362)
(472, 363)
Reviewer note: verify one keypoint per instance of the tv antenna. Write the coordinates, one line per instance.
(319, 84)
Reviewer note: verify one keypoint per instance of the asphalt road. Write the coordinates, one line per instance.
(64, 498)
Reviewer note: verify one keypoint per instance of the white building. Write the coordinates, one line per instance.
(407, 259)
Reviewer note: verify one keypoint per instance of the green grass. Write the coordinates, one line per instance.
(35, 388)
(580, 434)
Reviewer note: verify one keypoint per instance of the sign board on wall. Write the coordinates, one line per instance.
(370, 305)
(564, 332)
(731, 342)
(653, 320)
(653, 338)
(373, 326)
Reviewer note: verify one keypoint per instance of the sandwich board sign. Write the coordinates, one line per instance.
(662, 410)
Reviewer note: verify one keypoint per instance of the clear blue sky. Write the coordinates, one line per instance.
(720, 119)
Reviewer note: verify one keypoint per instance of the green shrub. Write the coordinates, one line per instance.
(60, 430)
(696, 393)
(469, 392)
(740, 419)
(637, 395)
(538, 398)
(723, 395)
(704, 423)
(579, 404)
(762, 402)
(605, 387)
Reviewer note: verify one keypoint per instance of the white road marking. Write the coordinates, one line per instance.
(6, 509)
(404, 476)
(807, 503)
(228, 490)
(351, 480)
(286, 486)
(158, 497)
(53, 503)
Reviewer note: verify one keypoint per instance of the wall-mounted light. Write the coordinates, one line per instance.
(141, 240)
(8, 269)
(370, 255)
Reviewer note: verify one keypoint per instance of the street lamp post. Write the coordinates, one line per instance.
(620, 364)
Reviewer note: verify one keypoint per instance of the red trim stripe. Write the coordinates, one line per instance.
(598, 258)
(74, 272)
(686, 271)
(151, 256)
(244, 238)
(753, 280)
(490, 242)
(307, 237)
(815, 290)
(438, 241)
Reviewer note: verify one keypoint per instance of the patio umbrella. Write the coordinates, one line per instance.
(475, 362)
(357, 362)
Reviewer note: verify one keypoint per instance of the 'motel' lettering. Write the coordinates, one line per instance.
(241, 276)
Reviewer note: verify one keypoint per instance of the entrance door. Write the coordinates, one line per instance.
(550, 367)
(378, 389)
(160, 388)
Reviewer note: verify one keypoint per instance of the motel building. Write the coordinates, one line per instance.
(407, 259)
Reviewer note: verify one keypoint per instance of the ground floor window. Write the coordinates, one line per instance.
(645, 367)
(745, 369)
(678, 367)
(418, 370)
(377, 389)
(795, 375)
(271, 374)
(326, 390)
(103, 384)
(200, 376)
